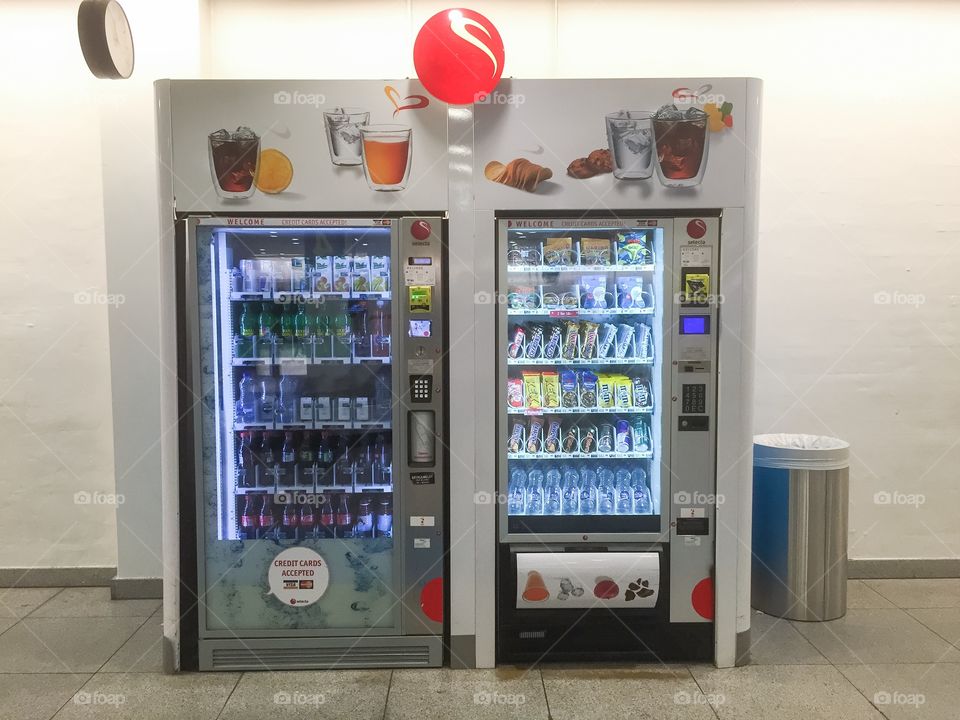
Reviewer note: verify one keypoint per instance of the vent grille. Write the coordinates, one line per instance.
(532, 634)
(310, 658)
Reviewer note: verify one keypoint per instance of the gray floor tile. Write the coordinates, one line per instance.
(53, 645)
(20, 602)
(812, 692)
(650, 692)
(36, 697)
(877, 636)
(919, 593)
(775, 641)
(7, 623)
(143, 652)
(465, 694)
(909, 692)
(94, 602)
(945, 622)
(318, 695)
(143, 696)
(861, 595)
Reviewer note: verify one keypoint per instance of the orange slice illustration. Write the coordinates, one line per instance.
(275, 172)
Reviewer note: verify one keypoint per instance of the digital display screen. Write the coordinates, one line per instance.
(420, 261)
(694, 324)
(420, 328)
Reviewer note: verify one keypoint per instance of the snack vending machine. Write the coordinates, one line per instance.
(310, 466)
(622, 243)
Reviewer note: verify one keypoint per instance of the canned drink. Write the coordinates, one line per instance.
(624, 338)
(623, 442)
(533, 344)
(516, 345)
(608, 340)
(552, 442)
(605, 434)
(641, 435)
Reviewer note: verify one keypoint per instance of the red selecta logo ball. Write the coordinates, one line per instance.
(696, 229)
(458, 55)
(420, 230)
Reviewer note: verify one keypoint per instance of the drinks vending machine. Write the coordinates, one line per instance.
(311, 403)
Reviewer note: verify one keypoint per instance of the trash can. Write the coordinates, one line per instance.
(800, 501)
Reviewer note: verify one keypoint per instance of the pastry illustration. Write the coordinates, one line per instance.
(606, 588)
(640, 588)
(518, 173)
(596, 163)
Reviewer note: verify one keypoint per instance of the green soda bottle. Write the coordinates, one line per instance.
(267, 320)
(301, 323)
(287, 322)
(248, 320)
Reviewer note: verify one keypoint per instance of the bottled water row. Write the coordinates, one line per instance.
(570, 490)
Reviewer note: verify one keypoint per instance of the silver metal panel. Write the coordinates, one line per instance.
(421, 504)
(320, 653)
(693, 451)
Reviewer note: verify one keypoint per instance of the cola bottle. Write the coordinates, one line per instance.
(290, 520)
(267, 518)
(344, 517)
(308, 520)
(325, 460)
(249, 518)
(305, 459)
(268, 462)
(288, 459)
(343, 470)
(328, 519)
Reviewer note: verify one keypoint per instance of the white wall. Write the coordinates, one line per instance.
(55, 424)
(858, 201)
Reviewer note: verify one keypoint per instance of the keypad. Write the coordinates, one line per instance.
(421, 388)
(694, 398)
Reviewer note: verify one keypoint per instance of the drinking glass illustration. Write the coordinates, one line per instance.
(630, 136)
(343, 134)
(234, 157)
(387, 153)
(536, 588)
(682, 141)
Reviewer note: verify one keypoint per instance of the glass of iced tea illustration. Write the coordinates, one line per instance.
(387, 152)
(343, 134)
(233, 161)
(681, 140)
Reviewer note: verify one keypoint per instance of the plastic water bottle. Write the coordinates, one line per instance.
(534, 493)
(570, 504)
(515, 492)
(289, 403)
(266, 408)
(608, 492)
(248, 399)
(642, 503)
(552, 493)
(588, 492)
(624, 493)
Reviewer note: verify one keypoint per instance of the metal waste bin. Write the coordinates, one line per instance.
(800, 502)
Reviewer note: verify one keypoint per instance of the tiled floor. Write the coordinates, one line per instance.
(74, 653)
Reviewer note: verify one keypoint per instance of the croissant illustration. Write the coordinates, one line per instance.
(519, 173)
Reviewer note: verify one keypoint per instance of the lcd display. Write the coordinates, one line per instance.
(695, 325)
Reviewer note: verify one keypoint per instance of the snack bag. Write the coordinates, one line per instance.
(625, 341)
(593, 292)
(551, 389)
(605, 391)
(515, 392)
(642, 393)
(532, 392)
(595, 251)
(558, 251)
(630, 291)
(644, 341)
(568, 389)
(622, 392)
(633, 248)
(588, 389)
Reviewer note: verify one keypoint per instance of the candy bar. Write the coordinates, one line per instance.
(551, 390)
(642, 395)
(533, 344)
(532, 391)
(551, 347)
(590, 330)
(569, 351)
(515, 392)
(624, 338)
(607, 341)
(536, 431)
(516, 437)
(516, 345)
(551, 443)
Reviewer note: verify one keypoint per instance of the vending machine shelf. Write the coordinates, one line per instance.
(581, 411)
(635, 455)
(527, 269)
(579, 312)
(578, 362)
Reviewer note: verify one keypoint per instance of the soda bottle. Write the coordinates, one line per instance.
(305, 459)
(340, 330)
(267, 320)
(624, 493)
(533, 495)
(308, 519)
(571, 492)
(516, 498)
(324, 460)
(246, 474)
(343, 470)
(361, 338)
(588, 492)
(236, 280)
(248, 399)
(248, 320)
(380, 332)
(287, 322)
(321, 332)
(385, 519)
(363, 466)
(364, 527)
(328, 519)
(291, 519)
(267, 407)
(267, 518)
(268, 462)
(288, 458)
(642, 502)
(344, 517)
(289, 400)
(249, 518)
(552, 493)
(301, 322)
